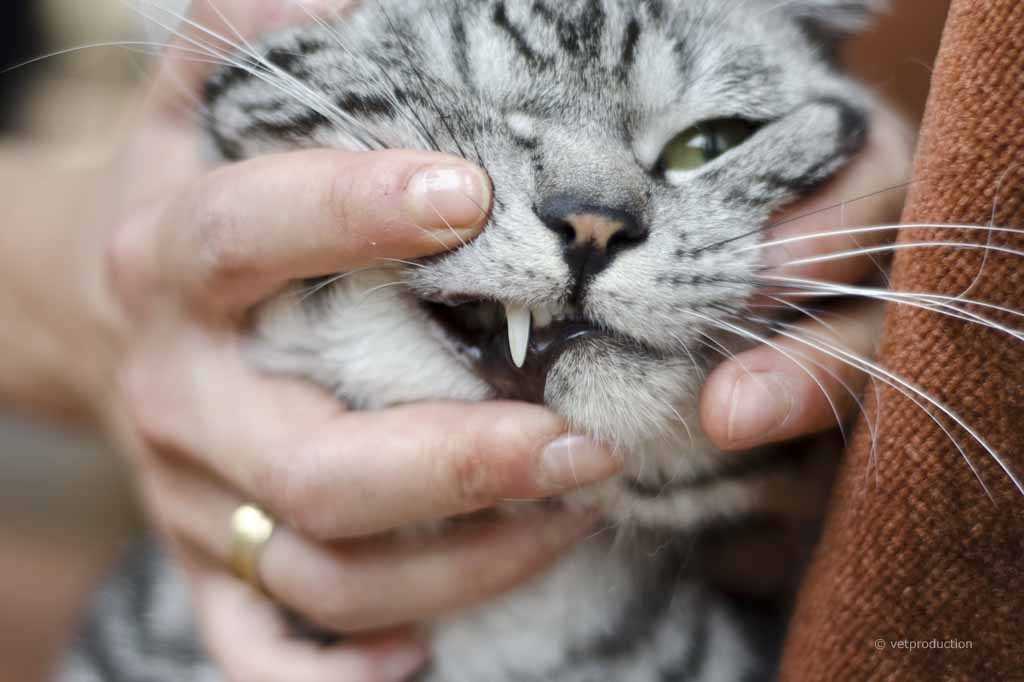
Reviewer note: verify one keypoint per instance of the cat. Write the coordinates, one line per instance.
(637, 150)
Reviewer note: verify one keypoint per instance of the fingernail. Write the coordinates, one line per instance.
(456, 195)
(399, 665)
(760, 404)
(574, 461)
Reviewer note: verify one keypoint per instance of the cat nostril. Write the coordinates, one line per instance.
(563, 228)
(586, 226)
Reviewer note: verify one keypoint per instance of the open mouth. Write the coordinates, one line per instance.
(512, 347)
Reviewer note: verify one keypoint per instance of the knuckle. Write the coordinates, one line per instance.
(126, 260)
(343, 609)
(292, 487)
(219, 245)
(342, 197)
(353, 190)
(148, 406)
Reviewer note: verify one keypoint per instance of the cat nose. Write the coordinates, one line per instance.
(592, 235)
(583, 225)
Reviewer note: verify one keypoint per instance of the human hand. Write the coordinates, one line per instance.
(189, 252)
(797, 383)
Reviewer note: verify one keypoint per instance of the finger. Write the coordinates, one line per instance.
(869, 192)
(789, 389)
(332, 474)
(350, 588)
(247, 636)
(247, 228)
(358, 586)
(213, 32)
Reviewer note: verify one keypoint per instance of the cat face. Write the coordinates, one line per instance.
(635, 148)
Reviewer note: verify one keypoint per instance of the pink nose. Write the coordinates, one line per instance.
(594, 229)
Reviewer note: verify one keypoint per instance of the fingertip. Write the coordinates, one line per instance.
(452, 195)
(742, 408)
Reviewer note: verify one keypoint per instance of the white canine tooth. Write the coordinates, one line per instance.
(518, 331)
(541, 316)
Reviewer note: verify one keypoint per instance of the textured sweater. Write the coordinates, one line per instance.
(920, 575)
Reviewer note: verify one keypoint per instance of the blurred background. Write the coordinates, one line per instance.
(66, 506)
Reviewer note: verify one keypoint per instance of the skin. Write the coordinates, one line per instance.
(150, 270)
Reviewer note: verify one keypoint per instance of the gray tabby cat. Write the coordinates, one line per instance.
(635, 146)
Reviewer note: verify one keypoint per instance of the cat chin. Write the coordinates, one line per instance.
(623, 395)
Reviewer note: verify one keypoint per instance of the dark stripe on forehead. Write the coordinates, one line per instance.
(630, 41)
(656, 8)
(532, 57)
(296, 127)
(365, 104)
(460, 46)
(527, 143)
(223, 81)
(578, 35)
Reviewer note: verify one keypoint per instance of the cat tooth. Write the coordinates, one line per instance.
(518, 331)
(541, 316)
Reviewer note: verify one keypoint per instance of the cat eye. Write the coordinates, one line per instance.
(704, 143)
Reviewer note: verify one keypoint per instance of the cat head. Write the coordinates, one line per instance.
(637, 150)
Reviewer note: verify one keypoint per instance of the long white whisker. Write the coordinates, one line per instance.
(320, 286)
(901, 246)
(896, 381)
(872, 229)
(370, 292)
(943, 305)
(275, 76)
(399, 261)
(854, 395)
(445, 221)
(789, 355)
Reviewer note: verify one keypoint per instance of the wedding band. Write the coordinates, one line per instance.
(251, 529)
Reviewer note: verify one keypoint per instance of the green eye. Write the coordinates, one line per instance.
(704, 143)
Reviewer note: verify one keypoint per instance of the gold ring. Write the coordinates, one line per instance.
(251, 529)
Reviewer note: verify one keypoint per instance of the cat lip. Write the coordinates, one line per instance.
(481, 333)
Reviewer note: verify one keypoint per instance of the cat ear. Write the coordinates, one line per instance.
(829, 21)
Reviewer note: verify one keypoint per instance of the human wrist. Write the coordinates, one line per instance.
(60, 363)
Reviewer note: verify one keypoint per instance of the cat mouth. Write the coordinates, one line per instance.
(512, 347)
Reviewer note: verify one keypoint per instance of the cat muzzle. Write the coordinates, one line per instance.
(512, 347)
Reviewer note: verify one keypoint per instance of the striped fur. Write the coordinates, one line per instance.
(559, 98)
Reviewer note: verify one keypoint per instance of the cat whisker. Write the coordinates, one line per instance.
(147, 47)
(852, 231)
(806, 312)
(370, 292)
(918, 396)
(681, 420)
(274, 76)
(825, 209)
(911, 393)
(788, 354)
(430, 233)
(399, 261)
(902, 246)
(944, 305)
(447, 224)
(308, 292)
